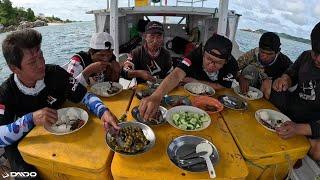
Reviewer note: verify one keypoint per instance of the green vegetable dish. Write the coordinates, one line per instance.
(189, 120)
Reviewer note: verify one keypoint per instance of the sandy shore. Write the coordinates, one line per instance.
(55, 24)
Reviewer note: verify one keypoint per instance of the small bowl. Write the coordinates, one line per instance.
(162, 118)
(147, 131)
(187, 109)
(144, 93)
(175, 100)
(186, 144)
(192, 87)
(83, 115)
(205, 103)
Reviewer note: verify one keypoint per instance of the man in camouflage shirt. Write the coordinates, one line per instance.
(260, 66)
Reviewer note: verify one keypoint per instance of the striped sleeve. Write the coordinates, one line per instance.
(94, 104)
(12, 132)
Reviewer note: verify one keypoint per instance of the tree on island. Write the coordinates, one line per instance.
(12, 15)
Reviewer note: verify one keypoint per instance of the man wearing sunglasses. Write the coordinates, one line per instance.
(214, 65)
(98, 64)
(262, 65)
(302, 105)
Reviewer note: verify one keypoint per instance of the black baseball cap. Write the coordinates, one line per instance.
(154, 27)
(315, 39)
(221, 44)
(270, 41)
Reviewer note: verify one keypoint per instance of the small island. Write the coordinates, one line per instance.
(14, 18)
(283, 35)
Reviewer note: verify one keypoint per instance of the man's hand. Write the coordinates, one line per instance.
(281, 84)
(244, 84)
(95, 67)
(108, 119)
(149, 106)
(45, 116)
(266, 88)
(145, 75)
(287, 130)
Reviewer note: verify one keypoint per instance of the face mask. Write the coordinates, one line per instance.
(212, 76)
(40, 85)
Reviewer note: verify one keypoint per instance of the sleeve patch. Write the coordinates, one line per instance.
(2, 108)
(187, 62)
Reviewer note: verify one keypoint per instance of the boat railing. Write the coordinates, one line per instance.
(191, 3)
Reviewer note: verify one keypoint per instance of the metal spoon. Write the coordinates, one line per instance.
(207, 148)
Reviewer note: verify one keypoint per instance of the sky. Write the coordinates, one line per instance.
(294, 17)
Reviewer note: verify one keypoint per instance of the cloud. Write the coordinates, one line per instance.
(271, 20)
(296, 19)
(249, 15)
(316, 11)
(293, 6)
(269, 14)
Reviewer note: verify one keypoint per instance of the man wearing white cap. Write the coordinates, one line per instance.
(98, 64)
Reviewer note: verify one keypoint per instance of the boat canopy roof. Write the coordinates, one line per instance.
(164, 11)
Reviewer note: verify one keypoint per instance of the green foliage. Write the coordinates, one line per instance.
(53, 19)
(12, 15)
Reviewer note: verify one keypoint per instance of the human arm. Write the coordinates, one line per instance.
(96, 106)
(282, 84)
(149, 106)
(245, 59)
(76, 93)
(289, 129)
(11, 133)
(290, 77)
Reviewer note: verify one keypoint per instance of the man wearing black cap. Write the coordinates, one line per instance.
(302, 105)
(260, 66)
(214, 66)
(151, 59)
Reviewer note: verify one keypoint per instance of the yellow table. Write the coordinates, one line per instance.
(266, 154)
(155, 164)
(83, 154)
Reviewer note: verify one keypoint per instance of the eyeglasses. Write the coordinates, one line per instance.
(213, 60)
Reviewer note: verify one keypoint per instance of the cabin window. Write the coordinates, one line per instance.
(168, 20)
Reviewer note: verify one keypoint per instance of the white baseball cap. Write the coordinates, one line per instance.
(101, 41)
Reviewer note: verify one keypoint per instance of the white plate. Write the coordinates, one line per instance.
(101, 88)
(273, 115)
(81, 114)
(197, 88)
(189, 109)
(259, 96)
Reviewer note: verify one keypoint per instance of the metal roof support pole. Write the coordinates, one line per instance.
(223, 17)
(114, 26)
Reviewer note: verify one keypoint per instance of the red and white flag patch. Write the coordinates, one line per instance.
(2, 108)
(186, 62)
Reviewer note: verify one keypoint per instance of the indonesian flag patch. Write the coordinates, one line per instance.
(186, 62)
(2, 108)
